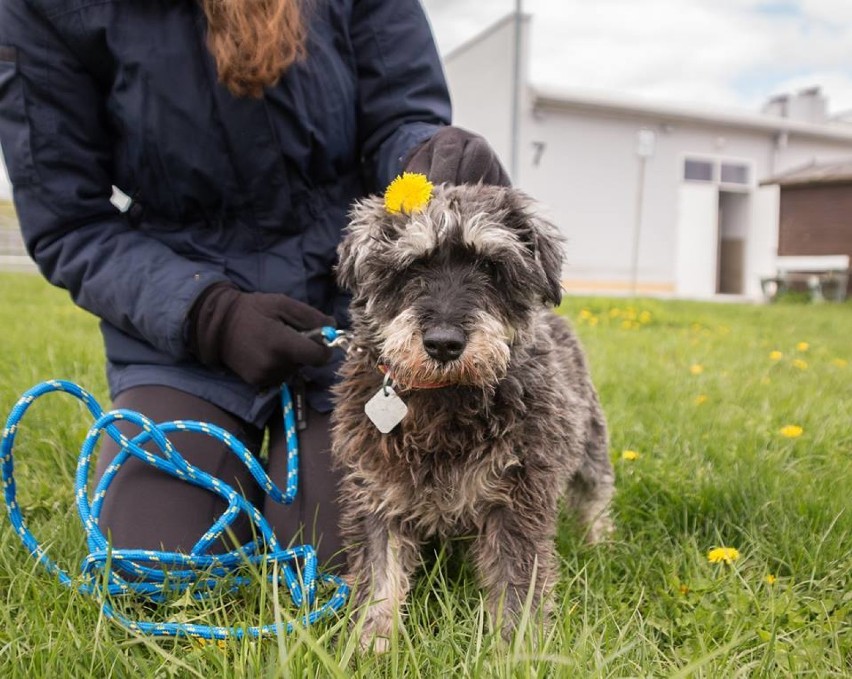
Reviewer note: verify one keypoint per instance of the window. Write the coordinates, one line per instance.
(698, 170)
(734, 173)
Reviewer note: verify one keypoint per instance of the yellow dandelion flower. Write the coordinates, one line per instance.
(696, 368)
(585, 314)
(720, 554)
(615, 312)
(627, 324)
(593, 321)
(775, 355)
(629, 455)
(770, 579)
(408, 193)
(700, 399)
(802, 346)
(645, 317)
(800, 364)
(684, 590)
(840, 362)
(791, 431)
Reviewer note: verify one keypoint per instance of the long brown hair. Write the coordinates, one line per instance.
(253, 41)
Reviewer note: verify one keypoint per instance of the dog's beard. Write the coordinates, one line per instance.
(483, 363)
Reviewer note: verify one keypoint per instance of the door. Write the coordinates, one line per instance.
(697, 240)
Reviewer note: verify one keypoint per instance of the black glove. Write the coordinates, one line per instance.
(255, 334)
(457, 156)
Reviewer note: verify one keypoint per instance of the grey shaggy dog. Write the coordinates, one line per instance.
(503, 421)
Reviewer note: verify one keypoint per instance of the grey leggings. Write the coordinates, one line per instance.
(147, 509)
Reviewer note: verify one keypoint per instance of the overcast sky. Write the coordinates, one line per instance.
(727, 53)
(716, 52)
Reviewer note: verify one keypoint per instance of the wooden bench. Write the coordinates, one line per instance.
(826, 277)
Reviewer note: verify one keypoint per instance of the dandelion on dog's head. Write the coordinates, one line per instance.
(720, 554)
(791, 431)
(408, 193)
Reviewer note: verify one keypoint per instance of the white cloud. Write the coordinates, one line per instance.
(722, 52)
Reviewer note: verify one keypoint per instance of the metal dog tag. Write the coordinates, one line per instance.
(385, 409)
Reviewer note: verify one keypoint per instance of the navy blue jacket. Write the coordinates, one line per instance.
(96, 94)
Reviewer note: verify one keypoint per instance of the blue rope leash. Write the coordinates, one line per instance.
(198, 571)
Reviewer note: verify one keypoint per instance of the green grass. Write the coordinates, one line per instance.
(713, 470)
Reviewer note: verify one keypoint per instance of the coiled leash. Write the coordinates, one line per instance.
(199, 571)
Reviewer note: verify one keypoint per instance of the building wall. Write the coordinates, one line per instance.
(816, 220)
(585, 168)
(482, 87)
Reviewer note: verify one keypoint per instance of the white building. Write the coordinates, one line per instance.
(667, 194)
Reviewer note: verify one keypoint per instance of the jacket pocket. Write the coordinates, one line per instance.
(14, 122)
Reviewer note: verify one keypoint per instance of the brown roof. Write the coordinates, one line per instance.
(839, 172)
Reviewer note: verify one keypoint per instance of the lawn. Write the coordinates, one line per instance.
(702, 394)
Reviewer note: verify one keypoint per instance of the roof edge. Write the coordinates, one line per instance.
(545, 97)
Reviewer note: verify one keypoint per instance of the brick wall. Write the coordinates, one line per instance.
(816, 220)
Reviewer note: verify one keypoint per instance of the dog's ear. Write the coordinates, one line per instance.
(367, 221)
(541, 237)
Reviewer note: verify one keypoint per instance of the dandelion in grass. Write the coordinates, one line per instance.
(701, 399)
(839, 362)
(585, 314)
(723, 554)
(800, 364)
(629, 455)
(645, 317)
(775, 355)
(803, 346)
(770, 579)
(696, 369)
(791, 431)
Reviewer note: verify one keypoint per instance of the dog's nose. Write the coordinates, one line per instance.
(444, 343)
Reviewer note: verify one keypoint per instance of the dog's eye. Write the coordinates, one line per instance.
(487, 266)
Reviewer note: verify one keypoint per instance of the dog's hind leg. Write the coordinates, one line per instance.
(591, 488)
(380, 567)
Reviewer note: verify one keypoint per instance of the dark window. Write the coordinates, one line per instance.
(733, 173)
(698, 170)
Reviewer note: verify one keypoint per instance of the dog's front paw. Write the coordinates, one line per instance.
(600, 530)
(376, 635)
